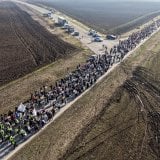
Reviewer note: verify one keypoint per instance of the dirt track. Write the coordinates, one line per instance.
(29, 41)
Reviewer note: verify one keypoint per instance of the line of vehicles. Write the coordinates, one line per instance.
(97, 38)
(63, 23)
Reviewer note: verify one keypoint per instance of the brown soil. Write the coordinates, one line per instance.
(24, 44)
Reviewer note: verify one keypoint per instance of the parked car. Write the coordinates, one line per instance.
(98, 39)
(96, 35)
(62, 21)
(75, 34)
(70, 30)
(66, 26)
(111, 37)
(91, 32)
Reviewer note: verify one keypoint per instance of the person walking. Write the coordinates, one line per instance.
(2, 134)
(12, 141)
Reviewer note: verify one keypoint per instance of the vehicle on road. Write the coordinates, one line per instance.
(111, 37)
(66, 26)
(47, 14)
(98, 39)
(62, 21)
(70, 30)
(96, 35)
(92, 32)
(75, 33)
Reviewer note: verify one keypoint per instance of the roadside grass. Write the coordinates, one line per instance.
(103, 124)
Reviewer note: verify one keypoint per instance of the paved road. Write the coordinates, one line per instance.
(96, 47)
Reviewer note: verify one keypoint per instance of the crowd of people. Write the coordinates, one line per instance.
(43, 104)
(14, 126)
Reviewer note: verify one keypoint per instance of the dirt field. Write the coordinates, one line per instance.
(24, 44)
(111, 121)
(111, 17)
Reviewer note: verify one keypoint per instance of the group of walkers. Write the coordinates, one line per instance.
(43, 104)
(134, 39)
(16, 125)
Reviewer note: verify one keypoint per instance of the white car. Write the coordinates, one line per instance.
(98, 39)
(91, 32)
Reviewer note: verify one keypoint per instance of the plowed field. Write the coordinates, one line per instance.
(24, 44)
